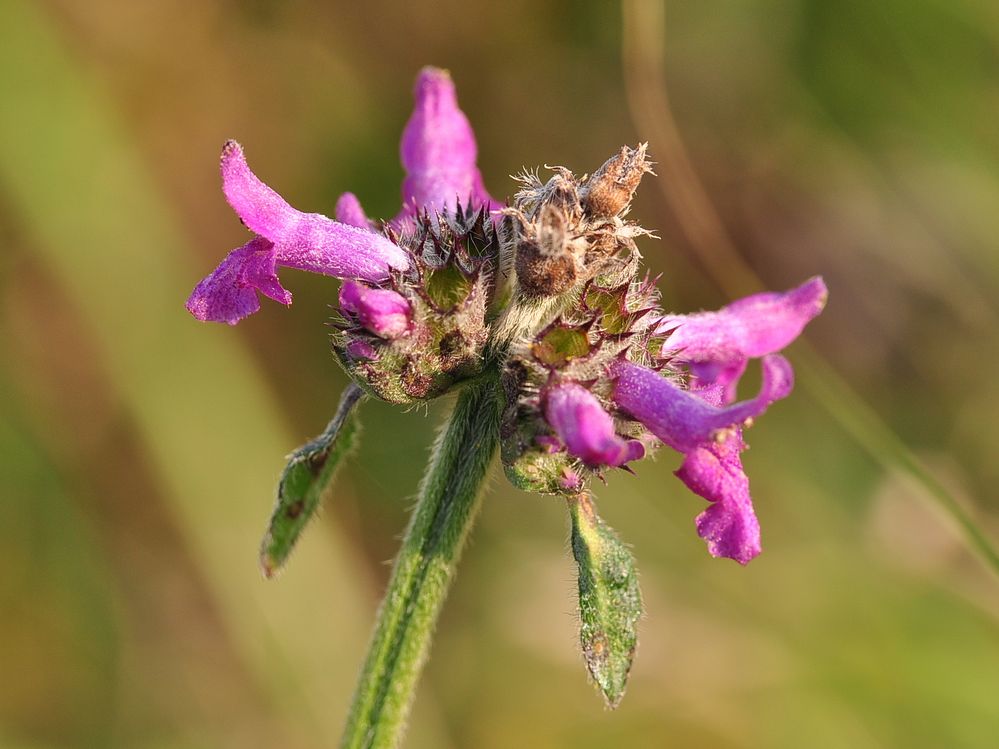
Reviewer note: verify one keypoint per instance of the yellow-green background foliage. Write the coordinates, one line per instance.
(139, 448)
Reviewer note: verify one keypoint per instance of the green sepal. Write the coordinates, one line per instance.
(560, 344)
(306, 477)
(610, 603)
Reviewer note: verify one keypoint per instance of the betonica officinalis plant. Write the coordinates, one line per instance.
(539, 316)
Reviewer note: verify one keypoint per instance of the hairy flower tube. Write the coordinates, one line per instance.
(539, 314)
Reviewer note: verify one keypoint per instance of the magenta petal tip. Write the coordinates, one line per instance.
(439, 151)
(348, 211)
(384, 312)
(586, 428)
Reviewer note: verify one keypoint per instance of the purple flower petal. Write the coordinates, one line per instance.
(361, 350)
(729, 524)
(229, 293)
(438, 150)
(287, 238)
(711, 439)
(682, 419)
(586, 429)
(307, 241)
(349, 211)
(382, 311)
(717, 345)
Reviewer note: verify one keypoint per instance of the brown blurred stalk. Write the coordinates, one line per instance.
(645, 83)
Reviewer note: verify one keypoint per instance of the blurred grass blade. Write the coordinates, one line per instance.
(209, 426)
(610, 603)
(864, 425)
(306, 478)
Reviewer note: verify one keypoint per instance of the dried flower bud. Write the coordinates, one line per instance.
(562, 191)
(610, 189)
(547, 263)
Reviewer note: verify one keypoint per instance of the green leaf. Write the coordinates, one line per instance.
(610, 603)
(308, 474)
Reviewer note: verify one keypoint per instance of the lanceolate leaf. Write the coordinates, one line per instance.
(307, 476)
(610, 603)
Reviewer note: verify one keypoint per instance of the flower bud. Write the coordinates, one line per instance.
(385, 313)
(586, 428)
(361, 350)
(546, 261)
(610, 189)
(417, 340)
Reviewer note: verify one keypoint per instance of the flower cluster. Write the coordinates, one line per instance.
(548, 289)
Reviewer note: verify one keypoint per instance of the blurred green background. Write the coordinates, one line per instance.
(139, 449)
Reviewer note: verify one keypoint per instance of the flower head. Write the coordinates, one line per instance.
(548, 291)
(540, 312)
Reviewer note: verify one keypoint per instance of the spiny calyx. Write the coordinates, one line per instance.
(444, 297)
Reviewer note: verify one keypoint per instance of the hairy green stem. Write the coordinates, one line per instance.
(448, 501)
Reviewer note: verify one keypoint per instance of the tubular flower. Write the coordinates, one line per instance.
(715, 347)
(711, 439)
(285, 237)
(586, 428)
(438, 152)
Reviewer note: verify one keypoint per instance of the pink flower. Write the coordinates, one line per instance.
(586, 428)
(382, 311)
(438, 153)
(702, 422)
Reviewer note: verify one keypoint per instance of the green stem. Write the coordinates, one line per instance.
(448, 501)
